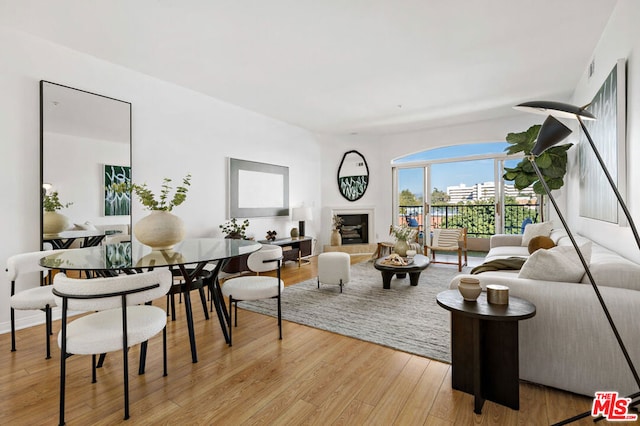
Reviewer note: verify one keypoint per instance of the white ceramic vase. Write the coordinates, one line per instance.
(401, 247)
(469, 288)
(160, 230)
(54, 222)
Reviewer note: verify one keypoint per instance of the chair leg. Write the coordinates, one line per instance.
(340, 285)
(101, 360)
(230, 319)
(13, 330)
(125, 361)
(63, 366)
(459, 260)
(318, 282)
(164, 350)
(93, 369)
(125, 368)
(279, 318)
(48, 327)
(173, 306)
(235, 305)
(143, 357)
(63, 361)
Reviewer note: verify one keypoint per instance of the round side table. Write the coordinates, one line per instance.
(484, 347)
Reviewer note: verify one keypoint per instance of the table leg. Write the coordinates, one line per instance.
(478, 400)
(386, 279)
(488, 370)
(192, 334)
(218, 299)
(188, 276)
(414, 277)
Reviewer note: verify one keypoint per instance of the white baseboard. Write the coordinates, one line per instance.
(34, 318)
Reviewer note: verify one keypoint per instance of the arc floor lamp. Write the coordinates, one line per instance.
(552, 132)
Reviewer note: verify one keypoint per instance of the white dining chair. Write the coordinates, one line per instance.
(256, 287)
(29, 291)
(120, 318)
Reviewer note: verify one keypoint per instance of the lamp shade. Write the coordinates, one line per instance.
(301, 213)
(551, 132)
(557, 109)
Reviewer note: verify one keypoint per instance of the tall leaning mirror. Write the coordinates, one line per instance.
(85, 144)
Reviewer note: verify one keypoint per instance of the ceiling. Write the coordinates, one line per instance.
(339, 66)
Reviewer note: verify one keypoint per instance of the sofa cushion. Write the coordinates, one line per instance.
(560, 263)
(557, 234)
(534, 230)
(540, 242)
(612, 270)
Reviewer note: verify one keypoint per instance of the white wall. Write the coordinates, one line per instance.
(621, 39)
(175, 131)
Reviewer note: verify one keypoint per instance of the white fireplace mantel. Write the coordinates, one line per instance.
(369, 211)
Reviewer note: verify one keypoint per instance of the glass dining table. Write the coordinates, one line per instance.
(190, 257)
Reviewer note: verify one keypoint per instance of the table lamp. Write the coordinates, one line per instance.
(552, 132)
(301, 214)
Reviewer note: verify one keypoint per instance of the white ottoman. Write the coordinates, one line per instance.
(334, 268)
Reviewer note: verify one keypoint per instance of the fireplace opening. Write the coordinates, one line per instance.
(354, 229)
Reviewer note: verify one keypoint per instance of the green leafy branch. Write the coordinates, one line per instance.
(51, 202)
(552, 163)
(148, 198)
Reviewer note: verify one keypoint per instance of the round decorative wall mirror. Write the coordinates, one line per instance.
(353, 176)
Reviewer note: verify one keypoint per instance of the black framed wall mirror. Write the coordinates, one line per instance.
(353, 175)
(85, 144)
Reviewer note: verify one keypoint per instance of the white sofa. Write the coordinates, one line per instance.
(569, 344)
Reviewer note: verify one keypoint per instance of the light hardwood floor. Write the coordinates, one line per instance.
(309, 377)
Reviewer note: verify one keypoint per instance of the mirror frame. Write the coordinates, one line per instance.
(353, 187)
(42, 131)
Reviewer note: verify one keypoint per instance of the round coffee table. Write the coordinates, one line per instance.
(418, 265)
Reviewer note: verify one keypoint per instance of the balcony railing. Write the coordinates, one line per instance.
(479, 219)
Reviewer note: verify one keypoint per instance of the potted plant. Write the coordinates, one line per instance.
(52, 221)
(402, 234)
(235, 230)
(552, 163)
(161, 229)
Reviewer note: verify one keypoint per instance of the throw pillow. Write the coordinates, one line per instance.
(540, 242)
(560, 263)
(534, 230)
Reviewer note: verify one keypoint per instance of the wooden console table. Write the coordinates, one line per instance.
(293, 249)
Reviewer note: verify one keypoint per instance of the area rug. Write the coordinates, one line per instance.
(404, 317)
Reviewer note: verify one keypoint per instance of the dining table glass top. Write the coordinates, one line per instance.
(137, 255)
